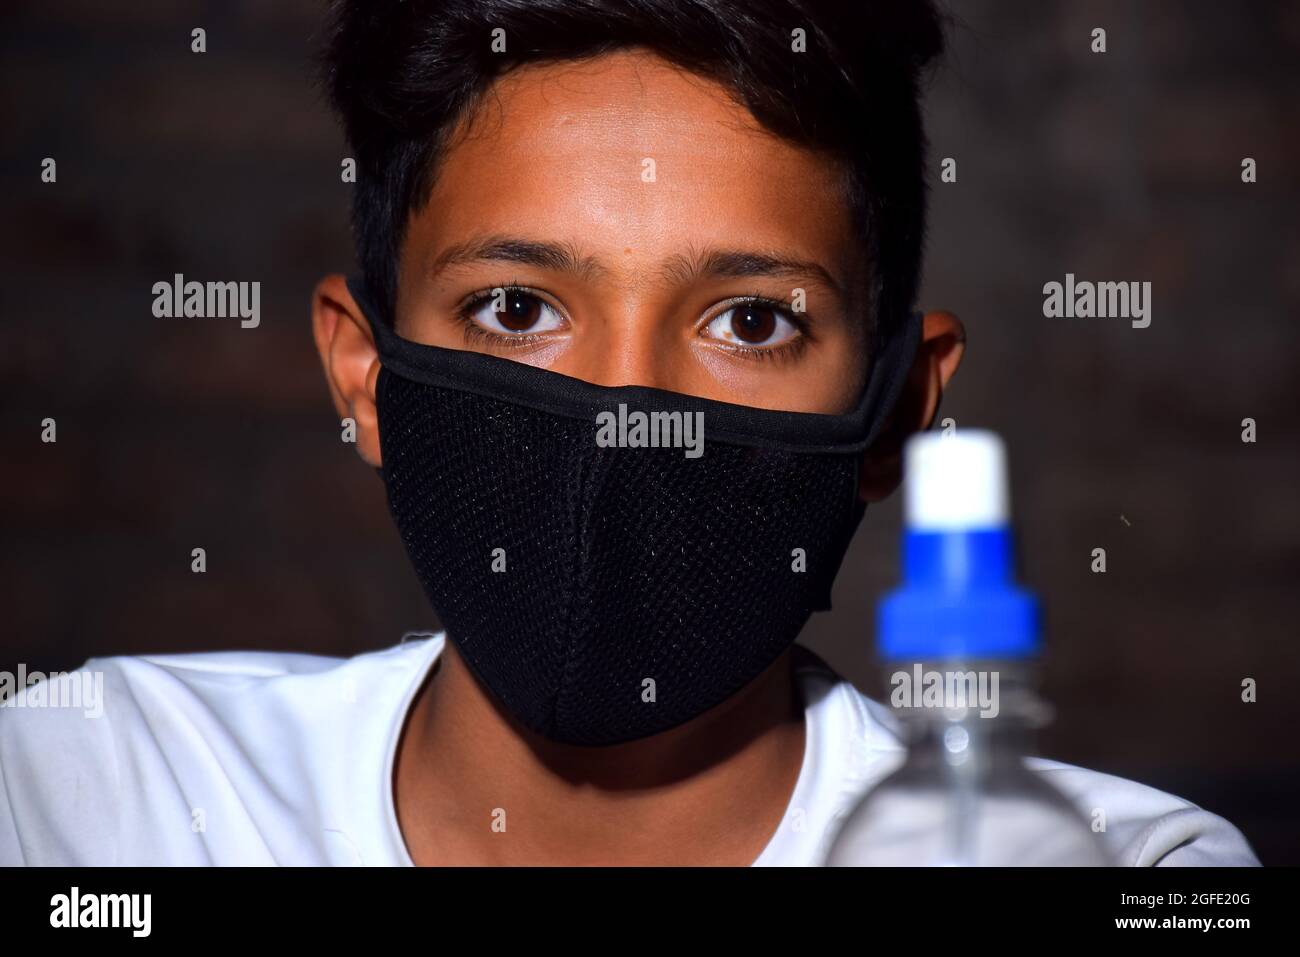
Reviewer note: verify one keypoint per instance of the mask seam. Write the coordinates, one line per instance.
(579, 577)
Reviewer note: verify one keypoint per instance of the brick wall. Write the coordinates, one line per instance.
(1122, 166)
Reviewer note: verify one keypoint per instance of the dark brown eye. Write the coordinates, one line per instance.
(753, 326)
(753, 322)
(521, 311)
(513, 313)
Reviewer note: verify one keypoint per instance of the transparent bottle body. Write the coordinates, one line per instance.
(964, 797)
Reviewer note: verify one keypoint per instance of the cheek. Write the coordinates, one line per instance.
(835, 373)
(842, 366)
(827, 378)
(833, 381)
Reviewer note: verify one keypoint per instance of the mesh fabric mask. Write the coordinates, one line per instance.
(603, 593)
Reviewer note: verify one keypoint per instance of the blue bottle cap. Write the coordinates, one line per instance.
(958, 598)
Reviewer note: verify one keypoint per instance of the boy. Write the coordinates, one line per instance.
(710, 211)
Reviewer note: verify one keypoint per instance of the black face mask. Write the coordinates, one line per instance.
(603, 593)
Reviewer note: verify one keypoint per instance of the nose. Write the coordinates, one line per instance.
(626, 348)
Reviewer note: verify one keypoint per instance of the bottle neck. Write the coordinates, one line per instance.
(949, 710)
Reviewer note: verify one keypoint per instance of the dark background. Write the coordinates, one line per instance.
(1122, 166)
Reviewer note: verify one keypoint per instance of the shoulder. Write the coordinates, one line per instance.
(1144, 826)
(122, 737)
(58, 771)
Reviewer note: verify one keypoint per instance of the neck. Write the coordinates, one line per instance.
(473, 787)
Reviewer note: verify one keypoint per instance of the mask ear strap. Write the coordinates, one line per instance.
(382, 332)
(889, 373)
(385, 337)
(892, 366)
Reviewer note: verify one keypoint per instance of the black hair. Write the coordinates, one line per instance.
(403, 73)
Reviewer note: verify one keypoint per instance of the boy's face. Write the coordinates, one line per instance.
(641, 210)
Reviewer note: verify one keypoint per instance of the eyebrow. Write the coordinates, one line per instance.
(737, 263)
(558, 257)
(708, 263)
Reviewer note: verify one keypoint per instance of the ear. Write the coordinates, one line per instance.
(943, 343)
(350, 359)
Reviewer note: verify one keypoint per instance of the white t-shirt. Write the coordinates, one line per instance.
(250, 758)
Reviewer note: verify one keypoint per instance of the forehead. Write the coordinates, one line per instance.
(630, 154)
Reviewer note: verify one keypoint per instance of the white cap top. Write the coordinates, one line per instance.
(955, 481)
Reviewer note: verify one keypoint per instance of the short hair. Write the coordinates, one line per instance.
(403, 75)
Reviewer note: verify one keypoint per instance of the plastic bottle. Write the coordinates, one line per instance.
(959, 641)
